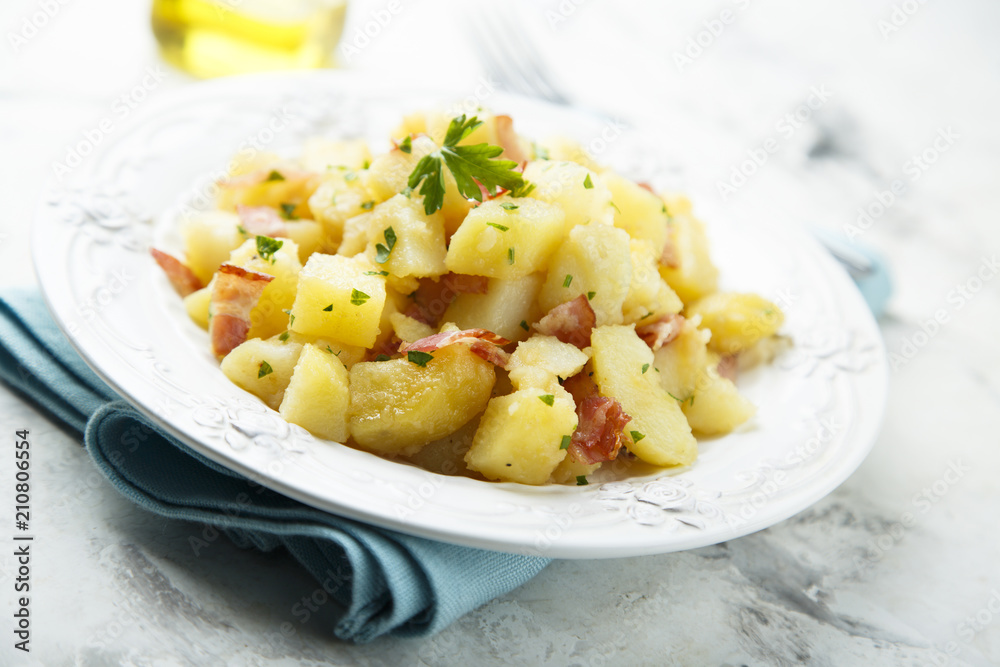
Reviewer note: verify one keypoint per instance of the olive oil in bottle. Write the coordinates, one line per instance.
(220, 37)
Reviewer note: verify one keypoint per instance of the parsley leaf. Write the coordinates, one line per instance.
(587, 183)
(502, 228)
(591, 295)
(376, 273)
(382, 251)
(566, 440)
(419, 358)
(507, 206)
(510, 255)
(358, 298)
(471, 166)
(266, 247)
(383, 357)
(645, 367)
(547, 399)
(406, 145)
(264, 370)
(524, 324)
(636, 436)
(581, 480)
(275, 175)
(291, 318)
(288, 211)
(328, 309)
(568, 280)
(283, 337)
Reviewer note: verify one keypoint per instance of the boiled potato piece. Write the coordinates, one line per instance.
(419, 247)
(397, 406)
(339, 197)
(262, 367)
(208, 239)
(520, 435)
(317, 396)
(570, 470)
(737, 321)
(307, 235)
(649, 296)
(320, 154)
(660, 433)
(541, 360)
(268, 317)
(563, 148)
(272, 190)
(447, 455)
(695, 275)
(506, 237)
(357, 232)
(682, 363)
(638, 211)
(716, 407)
(340, 298)
(596, 261)
(197, 305)
(580, 193)
(408, 329)
(348, 354)
(507, 309)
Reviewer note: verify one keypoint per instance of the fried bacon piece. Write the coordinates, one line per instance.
(508, 139)
(599, 435)
(235, 293)
(262, 221)
(464, 284)
(729, 366)
(180, 276)
(570, 322)
(433, 297)
(482, 343)
(662, 331)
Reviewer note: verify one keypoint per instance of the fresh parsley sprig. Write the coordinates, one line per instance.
(472, 167)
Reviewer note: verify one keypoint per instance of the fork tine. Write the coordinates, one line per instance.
(497, 56)
(524, 54)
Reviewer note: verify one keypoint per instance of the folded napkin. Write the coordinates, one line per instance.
(387, 582)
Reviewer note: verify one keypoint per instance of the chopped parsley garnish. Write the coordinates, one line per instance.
(242, 230)
(615, 206)
(547, 399)
(568, 280)
(507, 206)
(406, 145)
(636, 436)
(367, 206)
(472, 167)
(283, 337)
(328, 308)
(591, 295)
(495, 225)
(419, 358)
(645, 367)
(566, 440)
(264, 370)
(382, 251)
(266, 247)
(581, 480)
(587, 183)
(510, 255)
(648, 314)
(524, 324)
(383, 357)
(376, 273)
(288, 211)
(275, 175)
(358, 298)
(367, 164)
(330, 350)
(291, 318)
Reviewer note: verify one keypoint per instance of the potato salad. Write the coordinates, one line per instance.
(472, 302)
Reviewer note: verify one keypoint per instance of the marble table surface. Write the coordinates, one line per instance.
(896, 567)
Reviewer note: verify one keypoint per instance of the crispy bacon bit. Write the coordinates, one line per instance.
(508, 139)
(645, 186)
(669, 256)
(290, 176)
(430, 300)
(581, 386)
(570, 322)
(662, 331)
(180, 276)
(262, 221)
(464, 284)
(729, 366)
(235, 294)
(599, 434)
(482, 343)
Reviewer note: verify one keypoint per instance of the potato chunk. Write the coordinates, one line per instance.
(579, 192)
(541, 360)
(695, 275)
(397, 406)
(638, 211)
(737, 321)
(339, 197)
(521, 434)
(317, 396)
(419, 248)
(660, 433)
(197, 305)
(716, 406)
(649, 296)
(338, 299)
(320, 154)
(506, 304)
(506, 238)
(208, 239)
(262, 367)
(680, 365)
(268, 317)
(596, 261)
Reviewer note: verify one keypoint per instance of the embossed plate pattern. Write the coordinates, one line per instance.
(819, 405)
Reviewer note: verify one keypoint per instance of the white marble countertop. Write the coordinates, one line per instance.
(898, 566)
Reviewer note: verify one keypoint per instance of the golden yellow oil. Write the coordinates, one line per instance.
(211, 38)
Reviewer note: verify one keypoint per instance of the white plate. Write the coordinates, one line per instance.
(819, 405)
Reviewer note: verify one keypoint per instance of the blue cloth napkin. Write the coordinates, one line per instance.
(387, 582)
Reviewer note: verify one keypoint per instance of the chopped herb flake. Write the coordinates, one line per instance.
(581, 480)
(241, 230)
(547, 399)
(587, 183)
(495, 225)
(507, 206)
(636, 436)
(376, 273)
(264, 370)
(382, 251)
(524, 324)
(367, 206)
(266, 247)
(645, 367)
(383, 357)
(568, 280)
(275, 175)
(328, 308)
(291, 318)
(615, 206)
(330, 350)
(510, 255)
(288, 211)
(419, 358)
(406, 145)
(358, 298)
(591, 295)
(566, 440)
(283, 337)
